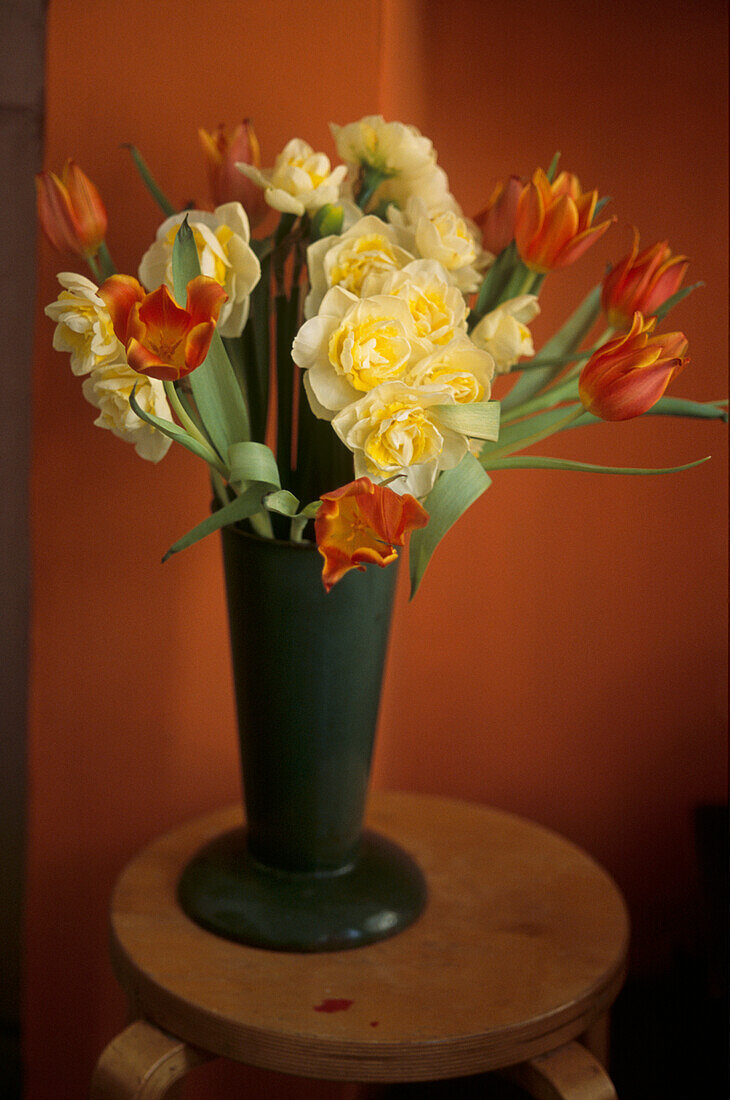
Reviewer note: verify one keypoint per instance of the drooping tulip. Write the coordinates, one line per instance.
(70, 210)
(641, 281)
(629, 374)
(497, 219)
(554, 221)
(362, 523)
(226, 182)
(161, 339)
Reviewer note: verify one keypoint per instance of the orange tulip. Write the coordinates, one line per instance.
(629, 374)
(70, 210)
(553, 223)
(226, 183)
(363, 523)
(161, 339)
(641, 281)
(497, 219)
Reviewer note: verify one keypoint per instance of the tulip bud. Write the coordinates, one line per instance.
(497, 219)
(70, 210)
(629, 374)
(553, 226)
(226, 183)
(641, 281)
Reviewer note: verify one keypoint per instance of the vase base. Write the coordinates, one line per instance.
(227, 892)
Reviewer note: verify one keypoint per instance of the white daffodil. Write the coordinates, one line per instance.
(504, 333)
(438, 308)
(83, 324)
(301, 180)
(224, 254)
(430, 187)
(444, 236)
(394, 431)
(353, 345)
(390, 148)
(357, 260)
(460, 367)
(108, 389)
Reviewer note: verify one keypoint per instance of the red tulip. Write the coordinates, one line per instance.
(497, 219)
(553, 226)
(363, 523)
(227, 184)
(70, 210)
(163, 340)
(629, 374)
(641, 281)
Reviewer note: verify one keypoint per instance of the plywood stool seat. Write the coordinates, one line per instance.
(521, 949)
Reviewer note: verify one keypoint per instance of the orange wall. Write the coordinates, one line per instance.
(565, 657)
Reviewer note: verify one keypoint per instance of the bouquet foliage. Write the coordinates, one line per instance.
(335, 373)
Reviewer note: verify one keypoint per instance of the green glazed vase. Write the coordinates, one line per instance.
(308, 667)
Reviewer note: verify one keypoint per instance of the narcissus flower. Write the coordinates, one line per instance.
(629, 374)
(83, 325)
(70, 210)
(108, 388)
(227, 184)
(641, 281)
(361, 524)
(395, 431)
(553, 226)
(161, 339)
(390, 148)
(300, 180)
(497, 219)
(504, 333)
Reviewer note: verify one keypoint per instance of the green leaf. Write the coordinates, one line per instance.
(553, 167)
(218, 396)
(600, 205)
(535, 462)
(479, 419)
(171, 430)
(286, 504)
(495, 281)
(241, 508)
(253, 464)
(150, 183)
(675, 299)
(455, 490)
(677, 406)
(564, 342)
(522, 429)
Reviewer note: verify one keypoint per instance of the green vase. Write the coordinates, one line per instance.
(308, 667)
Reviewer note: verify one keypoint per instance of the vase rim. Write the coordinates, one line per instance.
(303, 545)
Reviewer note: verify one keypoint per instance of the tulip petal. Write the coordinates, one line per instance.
(56, 214)
(205, 298)
(634, 393)
(197, 344)
(120, 294)
(148, 362)
(87, 205)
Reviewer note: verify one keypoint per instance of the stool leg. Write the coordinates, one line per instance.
(597, 1039)
(142, 1063)
(568, 1073)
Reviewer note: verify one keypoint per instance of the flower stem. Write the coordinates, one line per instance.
(191, 428)
(503, 452)
(95, 269)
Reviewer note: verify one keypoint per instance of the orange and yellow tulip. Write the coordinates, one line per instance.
(553, 225)
(226, 183)
(629, 374)
(70, 210)
(161, 339)
(641, 281)
(497, 219)
(363, 523)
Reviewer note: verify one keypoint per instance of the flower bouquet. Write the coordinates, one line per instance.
(335, 374)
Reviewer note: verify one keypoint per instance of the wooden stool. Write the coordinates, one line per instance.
(521, 949)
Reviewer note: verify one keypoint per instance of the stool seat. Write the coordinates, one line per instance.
(521, 948)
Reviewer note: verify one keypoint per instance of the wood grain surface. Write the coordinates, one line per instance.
(522, 947)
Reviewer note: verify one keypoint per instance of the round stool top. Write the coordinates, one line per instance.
(522, 946)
